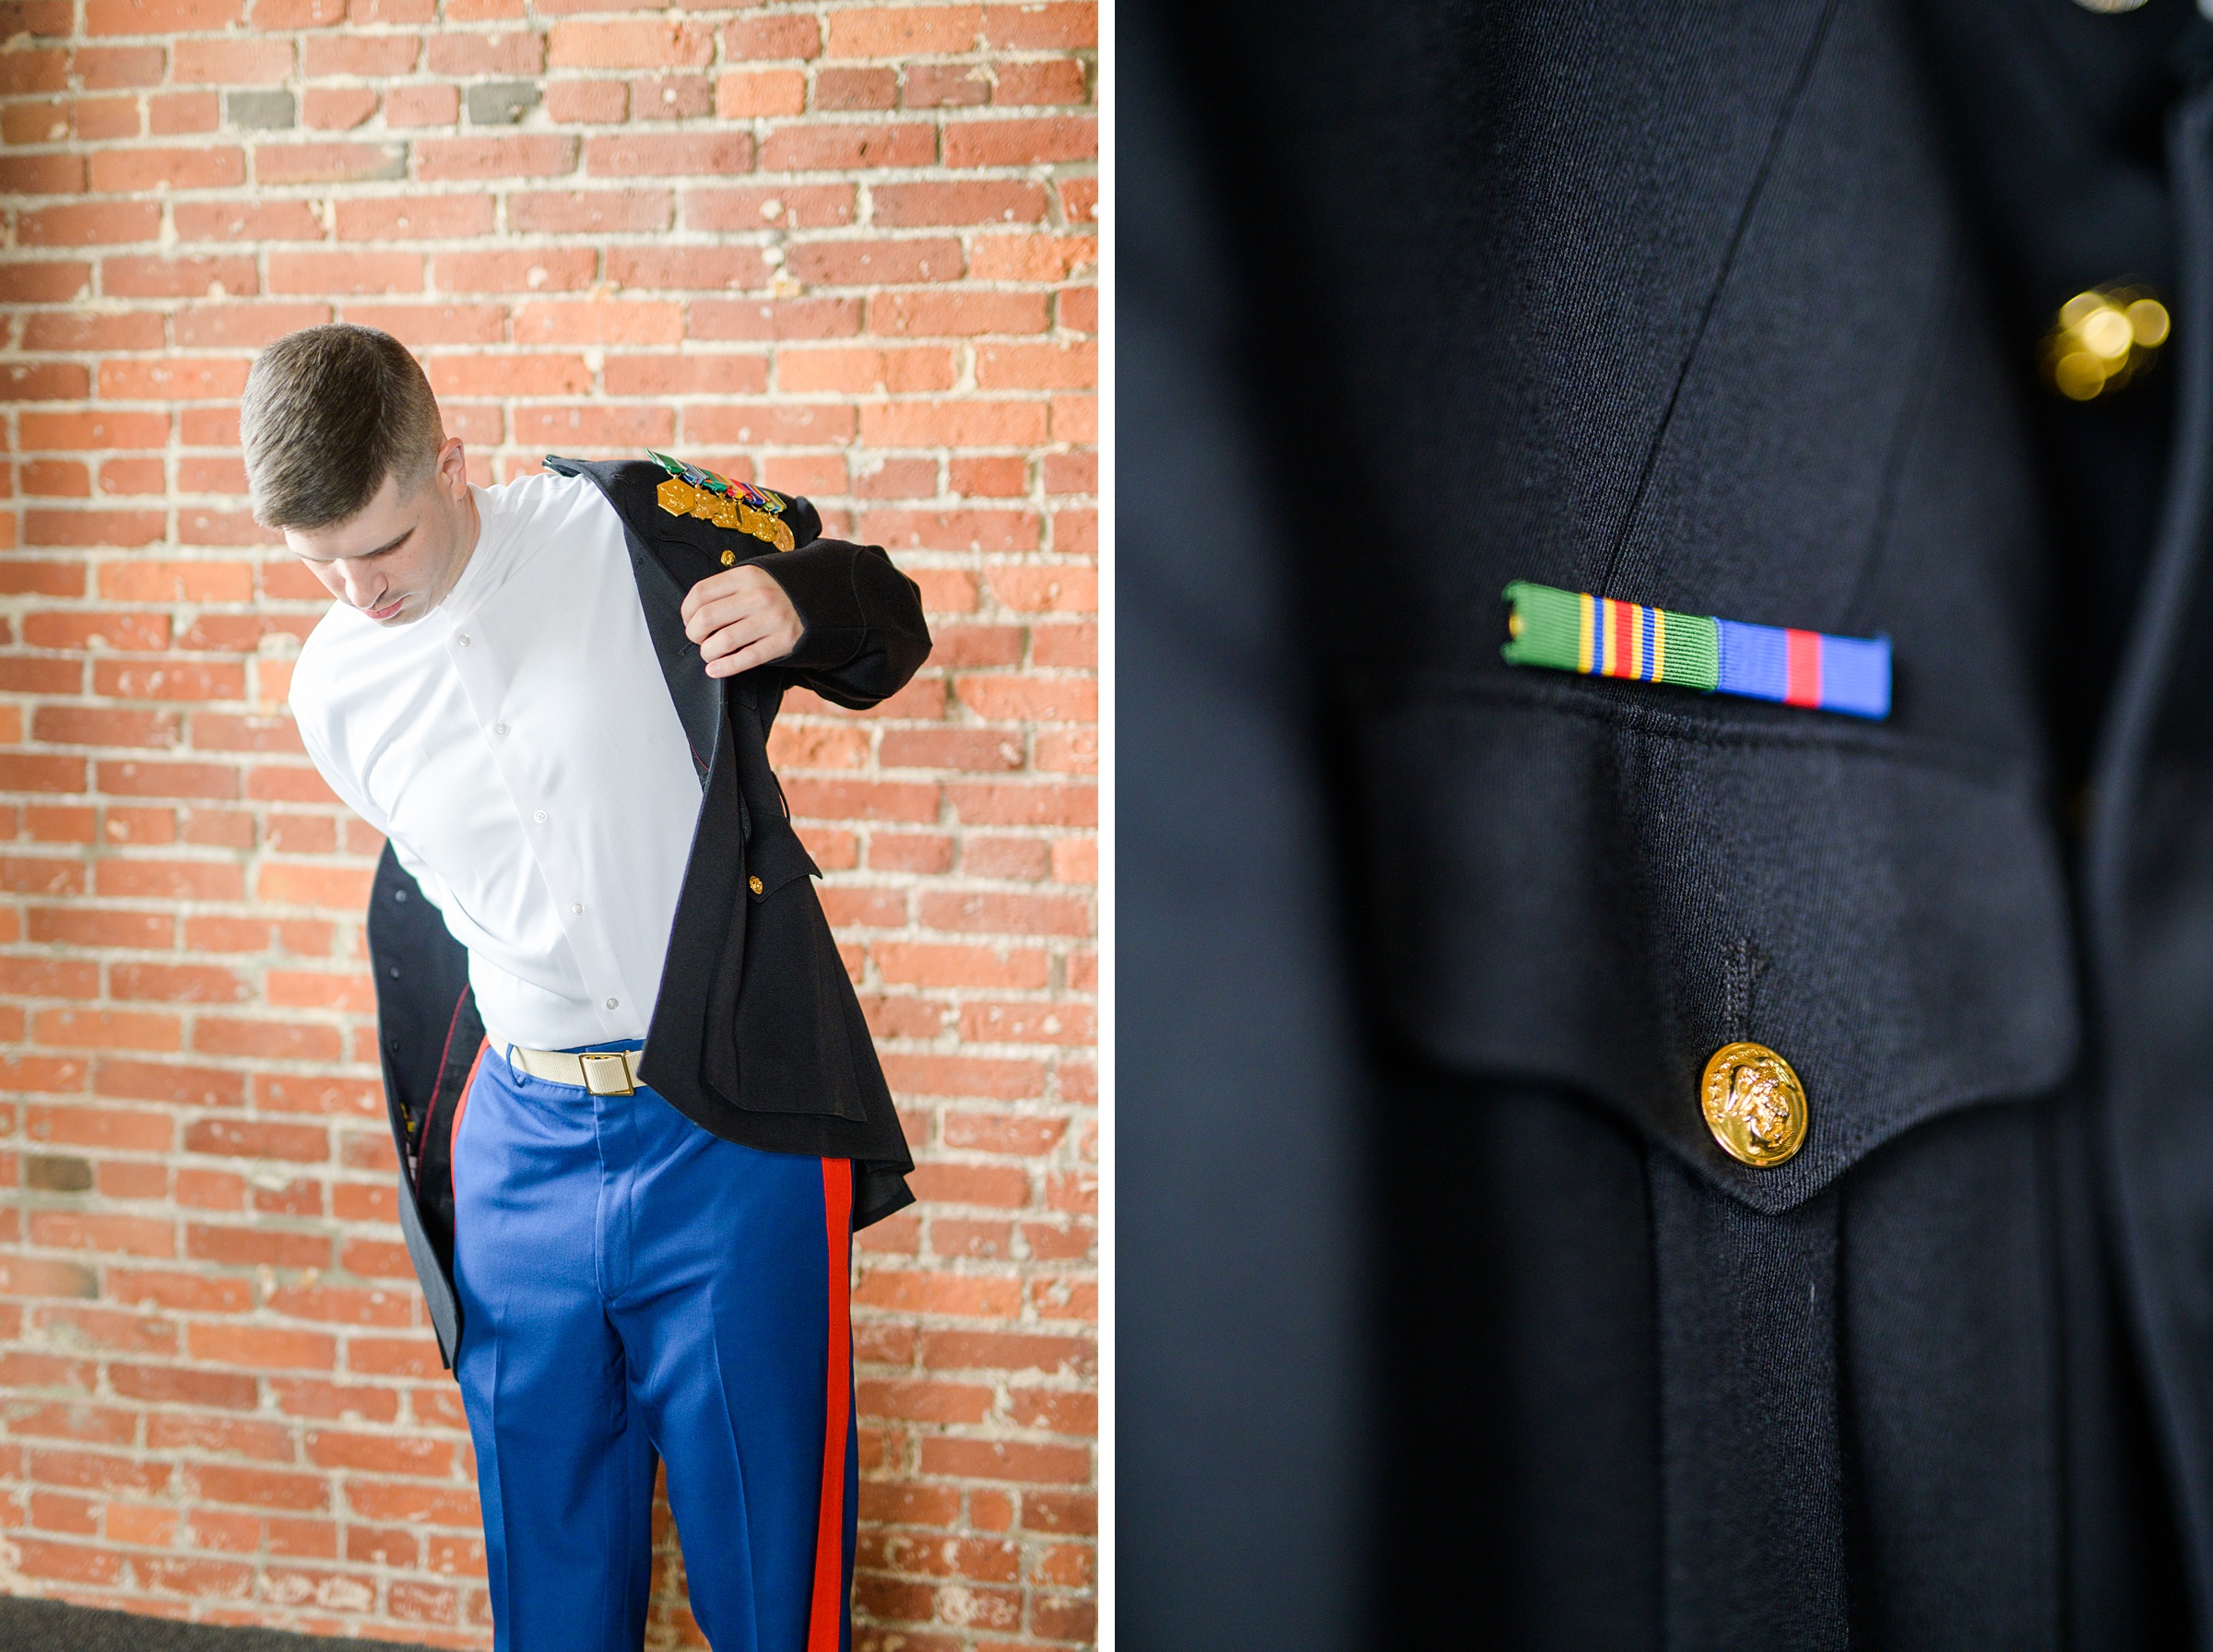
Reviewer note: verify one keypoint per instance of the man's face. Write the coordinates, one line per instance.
(398, 556)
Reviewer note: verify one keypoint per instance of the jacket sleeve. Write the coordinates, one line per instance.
(864, 635)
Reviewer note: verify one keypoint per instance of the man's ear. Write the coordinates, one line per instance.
(453, 468)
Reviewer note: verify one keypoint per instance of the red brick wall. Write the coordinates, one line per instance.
(845, 248)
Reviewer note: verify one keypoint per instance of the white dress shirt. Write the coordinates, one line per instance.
(519, 748)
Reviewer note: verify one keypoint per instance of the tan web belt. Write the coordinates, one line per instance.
(603, 1072)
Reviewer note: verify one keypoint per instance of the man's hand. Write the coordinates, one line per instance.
(740, 619)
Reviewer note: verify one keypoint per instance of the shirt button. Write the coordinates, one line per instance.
(464, 639)
(499, 728)
(577, 906)
(539, 816)
(1754, 1104)
(614, 1003)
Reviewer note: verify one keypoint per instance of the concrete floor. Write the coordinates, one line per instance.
(50, 1626)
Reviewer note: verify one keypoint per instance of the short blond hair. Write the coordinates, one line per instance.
(328, 414)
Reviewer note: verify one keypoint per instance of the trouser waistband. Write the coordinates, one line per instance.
(603, 1072)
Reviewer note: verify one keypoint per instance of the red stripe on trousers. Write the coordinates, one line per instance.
(461, 1106)
(1801, 679)
(828, 1616)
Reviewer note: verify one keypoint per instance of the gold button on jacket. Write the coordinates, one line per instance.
(1755, 1104)
(2104, 339)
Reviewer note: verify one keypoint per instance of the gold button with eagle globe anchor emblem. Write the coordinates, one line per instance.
(2104, 339)
(1754, 1104)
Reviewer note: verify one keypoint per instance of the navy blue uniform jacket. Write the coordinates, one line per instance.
(756, 1035)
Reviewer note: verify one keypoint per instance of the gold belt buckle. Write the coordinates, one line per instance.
(607, 1072)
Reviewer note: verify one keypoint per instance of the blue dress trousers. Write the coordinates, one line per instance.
(634, 1287)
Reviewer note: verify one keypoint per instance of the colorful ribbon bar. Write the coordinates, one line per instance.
(1572, 630)
(700, 476)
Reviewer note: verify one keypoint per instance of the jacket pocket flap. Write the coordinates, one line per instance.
(774, 858)
(1604, 901)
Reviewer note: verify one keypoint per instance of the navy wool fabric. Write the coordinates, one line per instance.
(1752, 1530)
(1441, 1307)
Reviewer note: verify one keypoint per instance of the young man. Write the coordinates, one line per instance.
(639, 1114)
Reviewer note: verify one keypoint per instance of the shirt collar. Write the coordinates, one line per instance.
(489, 564)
